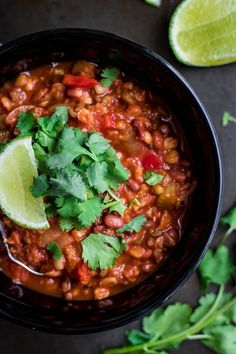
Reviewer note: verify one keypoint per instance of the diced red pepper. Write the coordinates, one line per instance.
(152, 161)
(84, 273)
(79, 81)
(108, 121)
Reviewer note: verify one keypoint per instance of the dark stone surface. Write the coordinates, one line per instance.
(216, 87)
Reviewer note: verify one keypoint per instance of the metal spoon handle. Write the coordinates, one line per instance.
(12, 258)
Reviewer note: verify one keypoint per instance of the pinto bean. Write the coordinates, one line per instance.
(179, 176)
(131, 272)
(21, 80)
(148, 267)
(164, 129)
(170, 238)
(136, 251)
(147, 137)
(66, 285)
(7, 103)
(172, 157)
(170, 143)
(158, 140)
(108, 281)
(101, 293)
(113, 221)
(134, 186)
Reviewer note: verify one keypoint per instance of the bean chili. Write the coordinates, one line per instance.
(135, 123)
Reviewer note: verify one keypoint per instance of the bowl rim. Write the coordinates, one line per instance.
(144, 308)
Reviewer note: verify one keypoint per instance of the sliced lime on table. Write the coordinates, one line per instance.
(17, 169)
(203, 32)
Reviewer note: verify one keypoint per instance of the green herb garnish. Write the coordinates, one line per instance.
(74, 169)
(25, 123)
(134, 225)
(134, 201)
(212, 321)
(108, 76)
(227, 118)
(152, 178)
(101, 251)
(216, 267)
(55, 250)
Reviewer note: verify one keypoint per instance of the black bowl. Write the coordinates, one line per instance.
(55, 315)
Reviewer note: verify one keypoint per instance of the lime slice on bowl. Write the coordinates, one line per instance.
(203, 32)
(18, 167)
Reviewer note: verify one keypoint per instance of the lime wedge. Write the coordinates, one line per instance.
(203, 32)
(18, 167)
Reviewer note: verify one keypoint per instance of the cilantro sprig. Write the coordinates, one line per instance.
(152, 178)
(75, 168)
(101, 251)
(55, 249)
(134, 225)
(212, 321)
(108, 76)
(227, 119)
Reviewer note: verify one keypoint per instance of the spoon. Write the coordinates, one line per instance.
(12, 258)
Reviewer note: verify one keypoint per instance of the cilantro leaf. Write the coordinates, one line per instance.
(216, 267)
(68, 149)
(50, 210)
(25, 123)
(222, 339)
(167, 322)
(65, 184)
(119, 207)
(152, 178)
(97, 144)
(206, 302)
(227, 118)
(101, 251)
(108, 76)
(136, 337)
(96, 174)
(70, 136)
(117, 174)
(230, 219)
(41, 157)
(68, 206)
(66, 157)
(90, 210)
(68, 223)
(134, 225)
(54, 125)
(161, 324)
(55, 249)
(40, 186)
(45, 141)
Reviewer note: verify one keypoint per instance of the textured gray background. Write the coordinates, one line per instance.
(216, 87)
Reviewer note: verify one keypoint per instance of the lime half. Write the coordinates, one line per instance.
(203, 32)
(18, 167)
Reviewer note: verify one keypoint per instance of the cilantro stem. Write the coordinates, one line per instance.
(226, 235)
(110, 204)
(185, 334)
(199, 337)
(113, 195)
